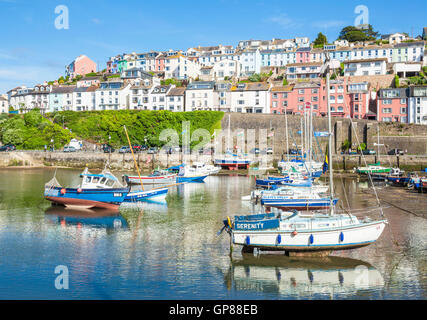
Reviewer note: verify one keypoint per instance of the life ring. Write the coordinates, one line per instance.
(63, 191)
(79, 190)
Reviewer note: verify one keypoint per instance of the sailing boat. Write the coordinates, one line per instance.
(311, 232)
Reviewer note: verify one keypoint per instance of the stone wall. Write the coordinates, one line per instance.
(410, 137)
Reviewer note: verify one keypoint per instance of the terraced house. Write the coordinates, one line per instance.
(392, 105)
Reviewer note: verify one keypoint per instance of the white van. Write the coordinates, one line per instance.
(76, 144)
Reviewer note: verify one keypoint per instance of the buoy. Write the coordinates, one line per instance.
(248, 240)
(279, 239)
(294, 233)
(79, 190)
(311, 239)
(63, 191)
(341, 237)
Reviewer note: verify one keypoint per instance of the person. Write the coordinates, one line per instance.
(94, 148)
(45, 148)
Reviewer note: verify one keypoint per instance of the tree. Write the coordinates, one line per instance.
(353, 34)
(396, 81)
(321, 40)
(285, 82)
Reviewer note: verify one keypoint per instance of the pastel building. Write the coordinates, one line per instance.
(358, 100)
(392, 105)
(113, 95)
(302, 55)
(80, 66)
(175, 99)
(4, 104)
(199, 95)
(365, 67)
(305, 70)
(61, 98)
(84, 98)
(417, 105)
(251, 97)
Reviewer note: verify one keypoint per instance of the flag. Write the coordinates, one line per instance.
(326, 163)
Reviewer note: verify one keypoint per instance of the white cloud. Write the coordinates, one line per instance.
(329, 24)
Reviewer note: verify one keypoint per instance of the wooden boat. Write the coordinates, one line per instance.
(190, 174)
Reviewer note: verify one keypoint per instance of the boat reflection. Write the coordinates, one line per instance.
(98, 218)
(149, 205)
(302, 277)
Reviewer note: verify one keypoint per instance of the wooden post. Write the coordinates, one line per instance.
(343, 163)
(398, 161)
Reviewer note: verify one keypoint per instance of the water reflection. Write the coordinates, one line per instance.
(98, 218)
(302, 277)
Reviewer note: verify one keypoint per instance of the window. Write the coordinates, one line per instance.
(300, 91)
(403, 110)
(402, 101)
(300, 99)
(387, 110)
(386, 119)
(387, 101)
(356, 107)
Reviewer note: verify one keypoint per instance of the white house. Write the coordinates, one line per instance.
(84, 98)
(157, 97)
(222, 96)
(250, 60)
(250, 97)
(25, 99)
(4, 104)
(417, 105)
(365, 67)
(180, 67)
(113, 95)
(199, 95)
(175, 99)
(394, 38)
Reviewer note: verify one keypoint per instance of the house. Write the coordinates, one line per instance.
(309, 70)
(180, 67)
(199, 95)
(417, 105)
(365, 67)
(226, 68)
(253, 97)
(394, 38)
(280, 98)
(84, 98)
(408, 52)
(392, 105)
(222, 96)
(139, 98)
(250, 60)
(358, 100)
(113, 64)
(80, 66)
(61, 98)
(302, 55)
(4, 104)
(175, 99)
(89, 81)
(302, 42)
(25, 99)
(158, 97)
(407, 69)
(113, 95)
(341, 43)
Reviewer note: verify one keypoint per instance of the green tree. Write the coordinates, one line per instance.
(321, 40)
(396, 81)
(353, 34)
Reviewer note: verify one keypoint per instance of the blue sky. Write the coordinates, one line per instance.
(33, 50)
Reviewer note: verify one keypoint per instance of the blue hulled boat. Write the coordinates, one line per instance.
(95, 191)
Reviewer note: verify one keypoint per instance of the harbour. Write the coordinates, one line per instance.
(167, 249)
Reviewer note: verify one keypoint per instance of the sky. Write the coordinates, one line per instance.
(33, 49)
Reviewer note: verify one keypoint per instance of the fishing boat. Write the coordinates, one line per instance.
(309, 232)
(206, 168)
(257, 194)
(291, 199)
(141, 195)
(190, 174)
(374, 168)
(157, 177)
(233, 162)
(95, 191)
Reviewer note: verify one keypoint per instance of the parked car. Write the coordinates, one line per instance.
(137, 148)
(269, 151)
(69, 149)
(254, 151)
(396, 151)
(294, 151)
(124, 150)
(7, 147)
(107, 148)
(368, 152)
(152, 150)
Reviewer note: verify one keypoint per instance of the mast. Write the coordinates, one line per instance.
(287, 132)
(311, 139)
(330, 164)
(302, 139)
(134, 160)
(378, 134)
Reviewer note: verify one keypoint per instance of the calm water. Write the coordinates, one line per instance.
(171, 251)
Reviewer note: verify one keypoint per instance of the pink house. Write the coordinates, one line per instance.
(302, 55)
(80, 66)
(160, 62)
(392, 105)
